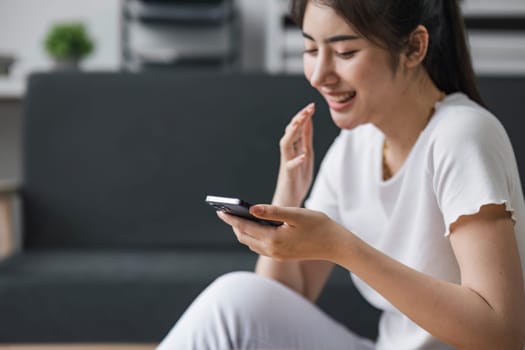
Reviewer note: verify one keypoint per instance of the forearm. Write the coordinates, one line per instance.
(284, 196)
(286, 272)
(294, 179)
(454, 313)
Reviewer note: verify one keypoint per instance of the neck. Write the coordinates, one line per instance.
(408, 118)
(411, 114)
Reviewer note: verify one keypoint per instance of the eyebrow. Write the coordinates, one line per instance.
(334, 39)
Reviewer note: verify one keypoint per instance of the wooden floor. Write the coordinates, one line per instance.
(77, 346)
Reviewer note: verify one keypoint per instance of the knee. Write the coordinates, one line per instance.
(244, 294)
(233, 280)
(228, 311)
(212, 321)
(229, 289)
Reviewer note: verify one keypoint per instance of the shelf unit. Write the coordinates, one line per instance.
(496, 32)
(180, 34)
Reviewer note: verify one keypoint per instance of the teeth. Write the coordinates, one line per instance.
(342, 97)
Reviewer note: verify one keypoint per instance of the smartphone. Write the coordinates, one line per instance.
(238, 207)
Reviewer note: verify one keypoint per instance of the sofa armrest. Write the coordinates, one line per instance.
(9, 242)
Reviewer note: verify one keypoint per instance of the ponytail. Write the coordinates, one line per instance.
(448, 60)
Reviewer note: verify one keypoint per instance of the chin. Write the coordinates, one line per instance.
(344, 121)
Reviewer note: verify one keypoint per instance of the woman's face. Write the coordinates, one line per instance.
(353, 74)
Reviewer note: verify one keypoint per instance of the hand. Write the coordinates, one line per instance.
(297, 159)
(305, 234)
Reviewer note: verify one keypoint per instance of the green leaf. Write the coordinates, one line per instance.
(68, 41)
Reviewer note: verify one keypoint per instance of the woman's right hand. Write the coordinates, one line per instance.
(297, 160)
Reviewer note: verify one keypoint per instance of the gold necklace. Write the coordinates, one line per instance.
(386, 169)
(387, 173)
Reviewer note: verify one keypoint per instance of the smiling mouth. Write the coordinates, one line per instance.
(341, 98)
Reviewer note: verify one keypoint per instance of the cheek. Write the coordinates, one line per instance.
(308, 67)
(372, 81)
(364, 73)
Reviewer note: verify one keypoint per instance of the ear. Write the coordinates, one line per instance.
(417, 47)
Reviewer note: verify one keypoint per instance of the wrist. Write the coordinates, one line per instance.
(286, 200)
(345, 247)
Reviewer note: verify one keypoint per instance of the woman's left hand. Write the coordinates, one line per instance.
(305, 234)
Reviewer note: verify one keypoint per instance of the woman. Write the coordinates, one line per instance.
(419, 198)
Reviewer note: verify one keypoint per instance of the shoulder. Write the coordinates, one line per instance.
(460, 122)
(468, 143)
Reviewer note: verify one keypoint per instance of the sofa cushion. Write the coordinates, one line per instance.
(73, 296)
(134, 296)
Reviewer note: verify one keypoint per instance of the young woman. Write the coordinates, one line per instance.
(419, 198)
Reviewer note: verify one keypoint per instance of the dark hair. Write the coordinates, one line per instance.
(390, 23)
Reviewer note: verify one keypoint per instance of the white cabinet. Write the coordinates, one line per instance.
(283, 40)
(496, 35)
(180, 34)
(507, 8)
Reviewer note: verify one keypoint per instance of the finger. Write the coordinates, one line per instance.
(303, 114)
(291, 140)
(246, 227)
(255, 236)
(291, 143)
(302, 117)
(232, 220)
(308, 136)
(272, 212)
(294, 163)
(254, 244)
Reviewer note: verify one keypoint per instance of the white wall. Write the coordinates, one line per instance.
(24, 23)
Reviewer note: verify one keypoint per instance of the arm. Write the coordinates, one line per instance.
(295, 178)
(485, 311)
(305, 277)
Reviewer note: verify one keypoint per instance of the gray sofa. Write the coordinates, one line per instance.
(116, 239)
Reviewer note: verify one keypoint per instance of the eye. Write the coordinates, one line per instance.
(346, 54)
(311, 52)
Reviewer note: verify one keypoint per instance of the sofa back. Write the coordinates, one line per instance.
(117, 160)
(505, 97)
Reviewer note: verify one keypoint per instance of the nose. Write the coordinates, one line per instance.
(323, 72)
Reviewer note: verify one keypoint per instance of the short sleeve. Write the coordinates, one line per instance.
(474, 165)
(324, 194)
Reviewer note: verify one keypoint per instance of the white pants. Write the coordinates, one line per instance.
(242, 310)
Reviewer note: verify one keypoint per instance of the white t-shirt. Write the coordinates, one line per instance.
(461, 161)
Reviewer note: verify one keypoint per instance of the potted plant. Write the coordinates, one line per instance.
(68, 43)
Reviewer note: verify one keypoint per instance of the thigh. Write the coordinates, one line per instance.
(246, 311)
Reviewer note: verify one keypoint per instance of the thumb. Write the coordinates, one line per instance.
(277, 213)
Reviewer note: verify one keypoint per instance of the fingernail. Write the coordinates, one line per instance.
(257, 209)
(310, 107)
